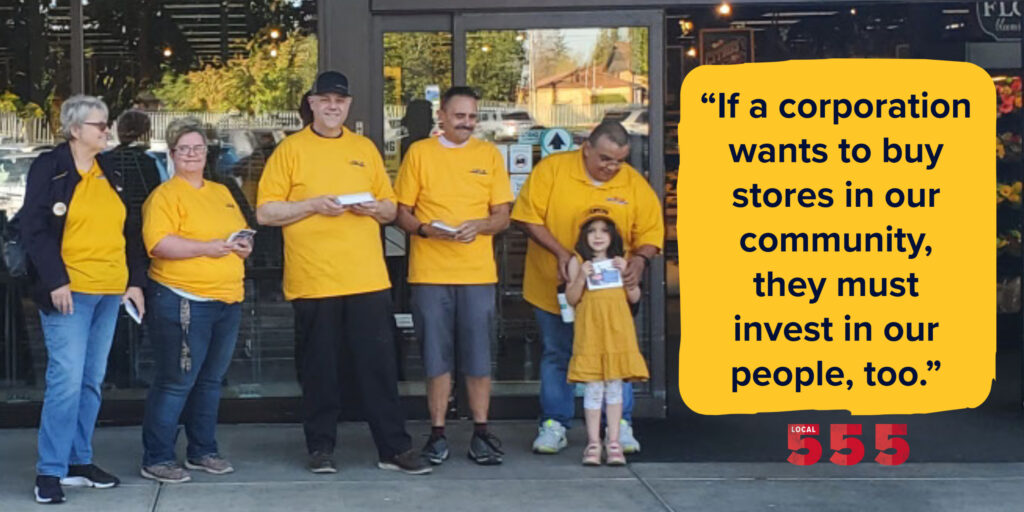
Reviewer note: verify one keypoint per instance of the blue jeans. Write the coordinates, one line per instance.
(77, 346)
(557, 395)
(193, 396)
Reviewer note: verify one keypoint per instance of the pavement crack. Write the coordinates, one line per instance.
(651, 490)
(156, 497)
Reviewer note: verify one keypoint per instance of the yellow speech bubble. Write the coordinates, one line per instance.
(836, 234)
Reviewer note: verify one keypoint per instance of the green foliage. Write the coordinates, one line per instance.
(11, 103)
(259, 82)
(608, 98)
(550, 55)
(638, 46)
(423, 58)
(494, 63)
(606, 40)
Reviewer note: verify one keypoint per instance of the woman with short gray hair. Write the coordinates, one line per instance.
(198, 248)
(85, 258)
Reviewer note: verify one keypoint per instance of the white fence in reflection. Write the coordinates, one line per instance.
(566, 116)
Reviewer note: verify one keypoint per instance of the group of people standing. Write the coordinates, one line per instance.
(327, 188)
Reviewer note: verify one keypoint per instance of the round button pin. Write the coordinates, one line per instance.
(59, 209)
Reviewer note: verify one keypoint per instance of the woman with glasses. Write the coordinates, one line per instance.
(195, 296)
(86, 258)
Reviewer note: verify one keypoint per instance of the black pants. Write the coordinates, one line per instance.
(358, 326)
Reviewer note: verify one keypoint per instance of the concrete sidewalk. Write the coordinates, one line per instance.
(270, 476)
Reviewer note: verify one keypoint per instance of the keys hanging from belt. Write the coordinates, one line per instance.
(185, 315)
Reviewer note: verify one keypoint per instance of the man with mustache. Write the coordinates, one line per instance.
(454, 195)
(563, 189)
(335, 276)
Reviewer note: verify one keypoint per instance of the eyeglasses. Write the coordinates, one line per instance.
(198, 149)
(99, 125)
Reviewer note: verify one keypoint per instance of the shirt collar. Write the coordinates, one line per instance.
(451, 145)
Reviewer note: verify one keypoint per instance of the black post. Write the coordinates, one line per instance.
(77, 48)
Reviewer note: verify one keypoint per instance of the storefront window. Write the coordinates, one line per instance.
(984, 33)
(239, 67)
(536, 80)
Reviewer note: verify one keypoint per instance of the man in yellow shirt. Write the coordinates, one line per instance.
(562, 190)
(454, 195)
(328, 189)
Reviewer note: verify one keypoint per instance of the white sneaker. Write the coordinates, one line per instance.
(550, 438)
(626, 439)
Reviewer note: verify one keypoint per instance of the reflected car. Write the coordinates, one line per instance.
(634, 120)
(9, 149)
(500, 125)
(13, 176)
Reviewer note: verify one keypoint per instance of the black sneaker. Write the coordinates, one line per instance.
(89, 475)
(485, 449)
(321, 462)
(436, 450)
(48, 490)
(410, 462)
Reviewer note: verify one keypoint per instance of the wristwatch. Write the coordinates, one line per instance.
(419, 230)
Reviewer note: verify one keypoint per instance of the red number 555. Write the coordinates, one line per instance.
(805, 449)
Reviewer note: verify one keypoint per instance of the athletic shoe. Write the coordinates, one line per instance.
(410, 463)
(212, 463)
(89, 475)
(626, 439)
(485, 449)
(436, 450)
(166, 472)
(321, 462)
(550, 438)
(48, 490)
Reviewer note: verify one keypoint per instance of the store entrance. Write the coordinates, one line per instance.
(565, 71)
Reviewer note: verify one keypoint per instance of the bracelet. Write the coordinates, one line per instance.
(419, 230)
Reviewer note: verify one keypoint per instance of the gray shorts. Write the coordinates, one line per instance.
(447, 316)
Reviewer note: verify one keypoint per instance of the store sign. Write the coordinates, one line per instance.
(726, 46)
(1001, 20)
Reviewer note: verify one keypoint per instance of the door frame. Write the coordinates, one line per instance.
(652, 403)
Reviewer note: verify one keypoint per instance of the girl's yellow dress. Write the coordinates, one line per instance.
(604, 344)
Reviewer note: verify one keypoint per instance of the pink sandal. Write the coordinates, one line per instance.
(592, 455)
(614, 455)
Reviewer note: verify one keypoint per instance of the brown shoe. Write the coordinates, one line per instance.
(212, 463)
(167, 472)
(411, 463)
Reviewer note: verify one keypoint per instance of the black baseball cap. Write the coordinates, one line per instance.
(330, 81)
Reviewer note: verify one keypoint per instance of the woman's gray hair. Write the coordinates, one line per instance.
(76, 109)
(181, 127)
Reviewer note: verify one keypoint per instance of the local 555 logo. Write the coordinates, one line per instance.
(847, 448)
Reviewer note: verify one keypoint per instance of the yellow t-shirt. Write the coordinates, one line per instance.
(559, 195)
(328, 256)
(203, 214)
(93, 245)
(452, 185)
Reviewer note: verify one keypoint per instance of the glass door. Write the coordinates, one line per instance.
(412, 68)
(566, 71)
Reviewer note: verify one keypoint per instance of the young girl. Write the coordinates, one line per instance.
(604, 351)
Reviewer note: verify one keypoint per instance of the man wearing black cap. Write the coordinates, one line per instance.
(328, 188)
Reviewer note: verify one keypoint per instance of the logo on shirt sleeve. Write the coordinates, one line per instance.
(481, 172)
(357, 163)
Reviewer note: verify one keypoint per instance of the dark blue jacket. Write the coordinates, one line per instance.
(51, 180)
